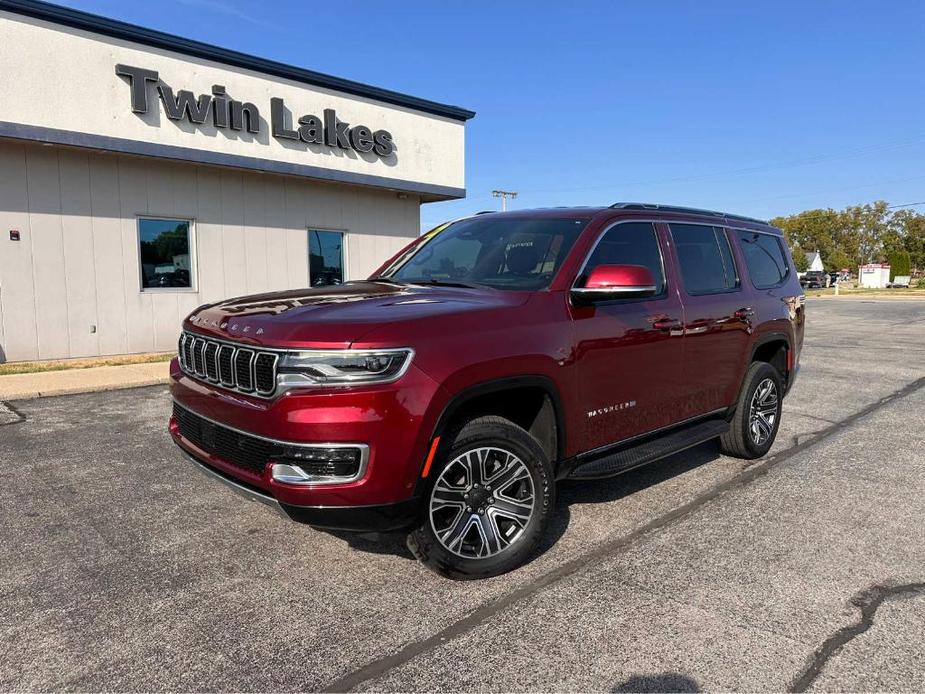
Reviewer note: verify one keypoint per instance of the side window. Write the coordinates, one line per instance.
(166, 254)
(634, 243)
(705, 259)
(766, 261)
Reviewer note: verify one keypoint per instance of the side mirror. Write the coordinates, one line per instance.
(609, 282)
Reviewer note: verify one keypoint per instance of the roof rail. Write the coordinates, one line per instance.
(678, 208)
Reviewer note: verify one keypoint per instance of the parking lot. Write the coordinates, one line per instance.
(125, 569)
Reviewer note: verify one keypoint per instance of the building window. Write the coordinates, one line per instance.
(166, 253)
(325, 257)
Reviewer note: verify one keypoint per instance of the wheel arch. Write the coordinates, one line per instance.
(544, 416)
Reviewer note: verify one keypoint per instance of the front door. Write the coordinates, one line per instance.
(629, 352)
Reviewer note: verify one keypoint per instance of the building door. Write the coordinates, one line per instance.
(325, 257)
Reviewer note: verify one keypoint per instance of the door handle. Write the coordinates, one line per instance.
(744, 314)
(666, 324)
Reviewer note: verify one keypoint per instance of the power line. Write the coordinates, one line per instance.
(846, 154)
(827, 213)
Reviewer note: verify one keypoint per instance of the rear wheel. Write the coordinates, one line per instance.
(757, 416)
(488, 504)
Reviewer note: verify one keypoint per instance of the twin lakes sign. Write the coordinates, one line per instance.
(224, 112)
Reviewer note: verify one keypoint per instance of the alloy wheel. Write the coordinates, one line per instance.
(762, 414)
(482, 502)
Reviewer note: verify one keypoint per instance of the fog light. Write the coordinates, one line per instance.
(330, 464)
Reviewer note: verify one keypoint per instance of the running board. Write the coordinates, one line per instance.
(620, 461)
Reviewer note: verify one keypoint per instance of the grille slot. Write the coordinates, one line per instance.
(188, 350)
(211, 352)
(225, 368)
(265, 372)
(199, 361)
(241, 450)
(243, 369)
(243, 361)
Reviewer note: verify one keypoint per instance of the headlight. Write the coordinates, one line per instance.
(345, 366)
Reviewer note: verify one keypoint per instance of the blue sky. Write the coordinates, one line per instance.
(756, 108)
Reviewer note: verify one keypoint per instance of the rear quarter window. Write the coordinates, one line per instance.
(765, 258)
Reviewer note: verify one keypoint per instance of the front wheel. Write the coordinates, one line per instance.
(489, 502)
(757, 415)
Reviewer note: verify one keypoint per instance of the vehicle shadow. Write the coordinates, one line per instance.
(612, 489)
(569, 492)
(661, 682)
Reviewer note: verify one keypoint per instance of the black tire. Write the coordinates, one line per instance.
(741, 440)
(495, 436)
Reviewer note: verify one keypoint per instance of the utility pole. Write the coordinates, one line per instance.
(504, 195)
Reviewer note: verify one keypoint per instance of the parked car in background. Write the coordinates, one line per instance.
(814, 279)
(900, 282)
(491, 358)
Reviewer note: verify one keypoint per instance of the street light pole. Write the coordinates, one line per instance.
(504, 195)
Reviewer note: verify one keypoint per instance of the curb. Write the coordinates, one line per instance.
(76, 390)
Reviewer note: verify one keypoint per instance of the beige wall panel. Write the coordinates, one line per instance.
(42, 178)
(277, 247)
(80, 273)
(296, 222)
(17, 292)
(133, 197)
(160, 189)
(166, 327)
(78, 215)
(209, 251)
(185, 182)
(108, 265)
(186, 206)
(255, 234)
(233, 234)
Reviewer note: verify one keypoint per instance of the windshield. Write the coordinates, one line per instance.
(504, 253)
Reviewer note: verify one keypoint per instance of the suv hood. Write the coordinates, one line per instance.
(335, 317)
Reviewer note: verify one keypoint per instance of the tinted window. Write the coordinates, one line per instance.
(764, 256)
(629, 244)
(498, 251)
(705, 258)
(165, 253)
(325, 257)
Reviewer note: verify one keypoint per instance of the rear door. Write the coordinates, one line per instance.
(718, 317)
(628, 351)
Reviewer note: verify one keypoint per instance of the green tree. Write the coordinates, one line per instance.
(856, 235)
(900, 263)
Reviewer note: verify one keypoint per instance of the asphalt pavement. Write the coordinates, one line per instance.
(125, 569)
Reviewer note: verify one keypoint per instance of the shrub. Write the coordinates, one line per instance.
(900, 264)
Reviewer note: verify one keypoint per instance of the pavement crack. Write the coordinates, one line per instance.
(868, 602)
(380, 666)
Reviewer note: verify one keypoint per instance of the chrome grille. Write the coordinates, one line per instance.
(243, 369)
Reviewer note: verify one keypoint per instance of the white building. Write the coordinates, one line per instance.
(874, 275)
(142, 174)
(814, 261)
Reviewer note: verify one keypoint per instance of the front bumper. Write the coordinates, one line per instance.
(380, 518)
(392, 420)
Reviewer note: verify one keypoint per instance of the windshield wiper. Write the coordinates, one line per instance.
(446, 283)
(387, 280)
